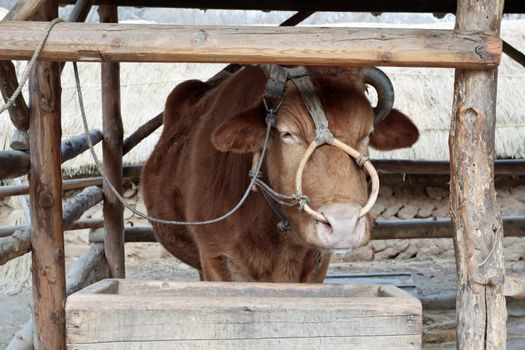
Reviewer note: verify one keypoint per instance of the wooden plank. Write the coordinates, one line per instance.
(112, 153)
(329, 46)
(403, 342)
(45, 180)
(446, 6)
(140, 311)
(480, 302)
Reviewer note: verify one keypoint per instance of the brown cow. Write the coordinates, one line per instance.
(199, 170)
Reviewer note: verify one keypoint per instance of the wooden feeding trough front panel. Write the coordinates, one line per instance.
(128, 314)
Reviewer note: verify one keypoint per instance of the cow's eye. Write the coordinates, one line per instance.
(288, 137)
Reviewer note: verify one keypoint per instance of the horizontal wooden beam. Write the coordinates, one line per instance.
(384, 229)
(514, 287)
(129, 172)
(432, 167)
(19, 243)
(447, 6)
(13, 164)
(514, 226)
(77, 225)
(286, 45)
(16, 163)
(407, 167)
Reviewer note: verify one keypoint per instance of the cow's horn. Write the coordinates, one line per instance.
(385, 91)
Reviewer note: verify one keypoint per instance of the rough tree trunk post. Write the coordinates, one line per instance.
(481, 312)
(47, 239)
(112, 152)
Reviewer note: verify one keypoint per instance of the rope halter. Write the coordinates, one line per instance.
(277, 77)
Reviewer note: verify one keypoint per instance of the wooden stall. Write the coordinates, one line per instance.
(473, 48)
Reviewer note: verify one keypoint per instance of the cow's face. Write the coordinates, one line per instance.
(334, 183)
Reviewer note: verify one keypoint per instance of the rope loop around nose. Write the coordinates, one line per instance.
(361, 159)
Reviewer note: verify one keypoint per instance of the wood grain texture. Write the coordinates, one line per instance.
(404, 342)
(80, 274)
(75, 145)
(13, 164)
(328, 46)
(19, 113)
(19, 243)
(480, 303)
(45, 180)
(23, 10)
(16, 163)
(514, 287)
(112, 153)
(221, 315)
(15, 245)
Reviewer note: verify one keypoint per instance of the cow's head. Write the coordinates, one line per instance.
(335, 185)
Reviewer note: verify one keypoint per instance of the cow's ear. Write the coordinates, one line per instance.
(243, 133)
(393, 132)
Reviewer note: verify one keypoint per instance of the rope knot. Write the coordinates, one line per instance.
(323, 135)
(270, 117)
(361, 160)
(251, 175)
(283, 226)
(301, 200)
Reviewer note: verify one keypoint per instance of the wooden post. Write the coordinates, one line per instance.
(480, 303)
(45, 178)
(112, 153)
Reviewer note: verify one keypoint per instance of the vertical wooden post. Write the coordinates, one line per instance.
(45, 180)
(112, 153)
(481, 311)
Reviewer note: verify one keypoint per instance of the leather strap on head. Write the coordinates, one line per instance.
(306, 89)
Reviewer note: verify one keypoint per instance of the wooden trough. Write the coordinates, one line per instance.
(128, 314)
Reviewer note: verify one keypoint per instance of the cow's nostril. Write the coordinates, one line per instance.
(324, 227)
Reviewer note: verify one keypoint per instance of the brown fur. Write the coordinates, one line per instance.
(199, 170)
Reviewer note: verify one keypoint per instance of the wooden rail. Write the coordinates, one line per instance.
(384, 229)
(19, 243)
(16, 163)
(384, 167)
(328, 46)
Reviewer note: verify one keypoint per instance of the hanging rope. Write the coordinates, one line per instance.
(30, 66)
(269, 122)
